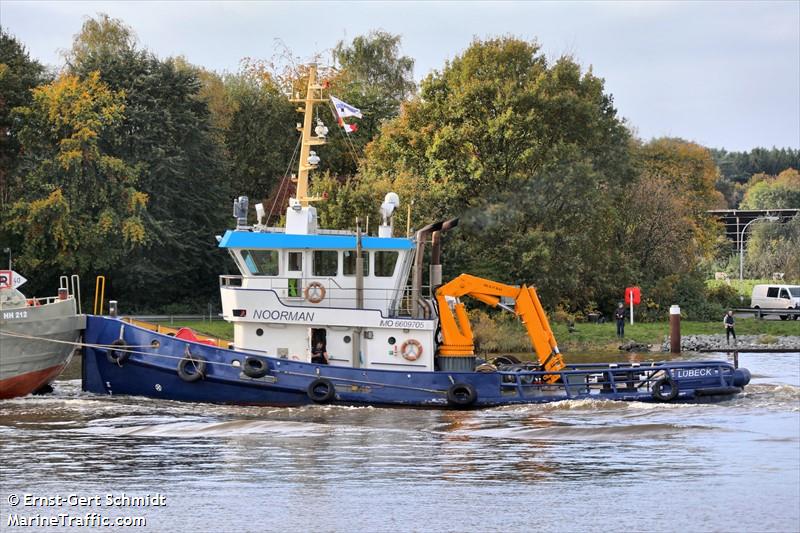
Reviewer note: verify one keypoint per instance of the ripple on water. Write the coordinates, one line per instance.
(390, 469)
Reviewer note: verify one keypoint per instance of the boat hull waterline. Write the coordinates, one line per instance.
(152, 360)
(30, 358)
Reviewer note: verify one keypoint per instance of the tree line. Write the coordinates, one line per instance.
(122, 163)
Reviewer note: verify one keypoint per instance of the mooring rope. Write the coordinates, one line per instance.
(126, 349)
(32, 337)
(190, 356)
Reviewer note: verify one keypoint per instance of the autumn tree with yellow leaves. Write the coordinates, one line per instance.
(75, 207)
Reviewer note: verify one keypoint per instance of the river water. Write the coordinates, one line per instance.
(568, 466)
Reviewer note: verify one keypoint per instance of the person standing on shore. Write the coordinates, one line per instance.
(729, 322)
(619, 316)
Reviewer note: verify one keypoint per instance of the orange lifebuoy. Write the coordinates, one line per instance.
(411, 350)
(33, 302)
(315, 292)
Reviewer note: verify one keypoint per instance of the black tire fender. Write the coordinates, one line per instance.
(118, 355)
(191, 368)
(321, 390)
(461, 395)
(255, 367)
(658, 389)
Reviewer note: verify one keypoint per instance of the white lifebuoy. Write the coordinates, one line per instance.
(315, 292)
(411, 350)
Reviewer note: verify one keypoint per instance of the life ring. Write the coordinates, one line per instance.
(321, 390)
(461, 395)
(33, 302)
(658, 389)
(411, 350)
(118, 355)
(314, 292)
(191, 368)
(255, 367)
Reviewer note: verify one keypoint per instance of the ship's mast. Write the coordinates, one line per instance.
(313, 96)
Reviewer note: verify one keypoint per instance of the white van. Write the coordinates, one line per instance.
(776, 297)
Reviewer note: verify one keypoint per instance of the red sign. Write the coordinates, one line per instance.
(633, 292)
(6, 279)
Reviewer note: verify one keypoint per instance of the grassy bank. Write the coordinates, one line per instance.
(603, 336)
(504, 334)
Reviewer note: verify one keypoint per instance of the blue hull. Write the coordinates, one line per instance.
(152, 361)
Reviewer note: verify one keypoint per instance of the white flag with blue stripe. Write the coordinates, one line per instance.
(345, 110)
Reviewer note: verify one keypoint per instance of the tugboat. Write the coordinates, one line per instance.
(37, 336)
(325, 316)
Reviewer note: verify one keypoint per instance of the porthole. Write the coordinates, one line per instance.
(155, 344)
(392, 340)
(259, 332)
(347, 339)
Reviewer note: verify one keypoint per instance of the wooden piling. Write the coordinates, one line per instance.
(675, 329)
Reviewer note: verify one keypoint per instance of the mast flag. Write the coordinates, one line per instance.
(344, 110)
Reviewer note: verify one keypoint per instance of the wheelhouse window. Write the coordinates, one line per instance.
(772, 292)
(326, 263)
(384, 263)
(295, 261)
(794, 291)
(785, 294)
(349, 262)
(261, 262)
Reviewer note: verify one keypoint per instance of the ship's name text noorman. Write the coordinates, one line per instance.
(289, 316)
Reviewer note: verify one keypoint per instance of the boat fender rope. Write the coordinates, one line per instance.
(254, 367)
(198, 367)
(411, 350)
(119, 353)
(461, 395)
(315, 292)
(658, 389)
(321, 390)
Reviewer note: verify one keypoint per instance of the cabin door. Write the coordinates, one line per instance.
(318, 338)
(294, 273)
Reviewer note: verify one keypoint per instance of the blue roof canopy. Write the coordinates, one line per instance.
(255, 240)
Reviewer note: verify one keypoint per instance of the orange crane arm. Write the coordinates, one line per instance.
(456, 330)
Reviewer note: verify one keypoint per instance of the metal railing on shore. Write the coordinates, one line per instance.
(760, 313)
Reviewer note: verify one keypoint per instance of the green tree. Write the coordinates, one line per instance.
(773, 247)
(79, 208)
(19, 74)
(530, 155)
(166, 133)
(736, 168)
(374, 76)
(680, 177)
(260, 137)
(778, 192)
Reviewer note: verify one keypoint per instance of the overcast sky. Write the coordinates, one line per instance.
(724, 74)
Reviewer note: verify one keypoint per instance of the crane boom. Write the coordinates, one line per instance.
(457, 332)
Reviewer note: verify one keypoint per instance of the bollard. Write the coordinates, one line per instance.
(112, 307)
(736, 359)
(675, 329)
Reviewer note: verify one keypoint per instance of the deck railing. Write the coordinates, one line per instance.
(602, 378)
(342, 297)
